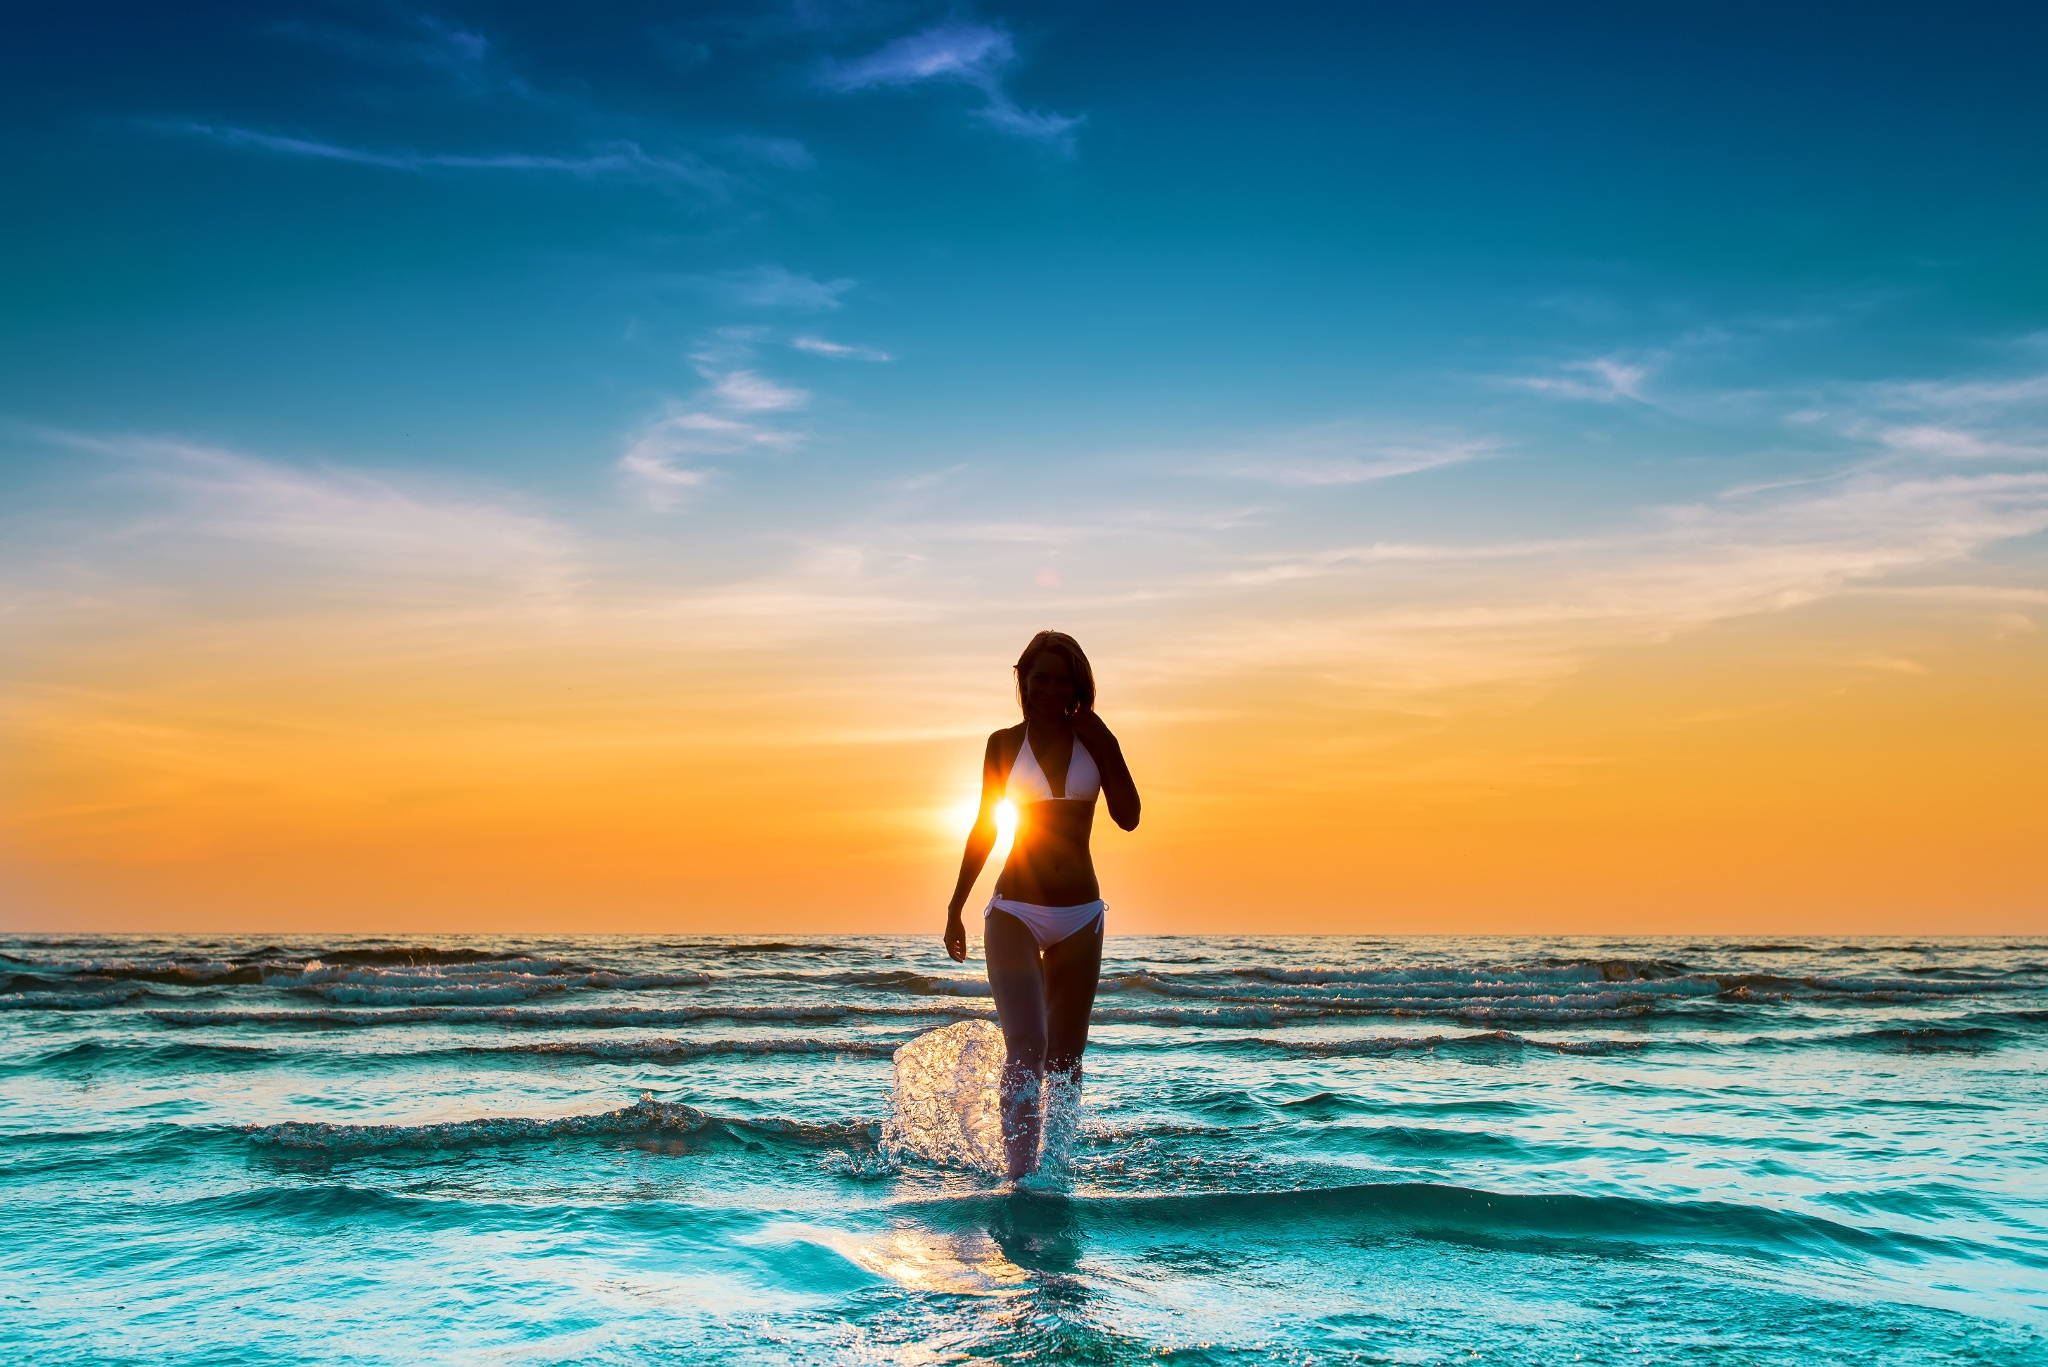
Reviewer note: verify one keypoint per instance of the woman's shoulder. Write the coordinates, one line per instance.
(1004, 744)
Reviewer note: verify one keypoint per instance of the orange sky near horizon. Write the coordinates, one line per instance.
(562, 469)
(1873, 763)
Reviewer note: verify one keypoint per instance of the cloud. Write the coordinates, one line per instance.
(959, 53)
(1311, 467)
(1343, 559)
(971, 53)
(1974, 395)
(617, 160)
(665, 456)
(839, 351)
(387, 541)
(775, 287)
(2000, 419)
(1955, 444)
(1605, 379)
(333, 572)
(748, 392)
(461, 56)
(1451, 616)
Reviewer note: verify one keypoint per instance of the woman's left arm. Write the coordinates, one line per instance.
(1119, 790)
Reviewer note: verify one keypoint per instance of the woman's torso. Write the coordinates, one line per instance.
(1054, 792)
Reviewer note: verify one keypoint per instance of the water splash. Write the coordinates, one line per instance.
(1060, 1095)
(944, 1109)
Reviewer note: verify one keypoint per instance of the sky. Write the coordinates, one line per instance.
(1577, 468)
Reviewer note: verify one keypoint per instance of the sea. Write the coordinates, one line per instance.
(765, 1149)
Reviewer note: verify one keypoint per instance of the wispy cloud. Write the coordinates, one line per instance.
(1310, 461)
(1401, 617)
(665, 457)
(1189, 593)
(1603, 379)
(771, 286)
(1957, 444)
(235, 561)
(1281, 568)
(749, 392)
(958, 53)
(839, 351)
(618, 160)
(383, 540)
(463, 57)
(2003, 419)
(1969, 395)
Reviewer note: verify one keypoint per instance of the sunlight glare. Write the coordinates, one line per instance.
(960, 816)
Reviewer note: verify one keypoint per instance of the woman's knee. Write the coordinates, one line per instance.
(1024, 1048)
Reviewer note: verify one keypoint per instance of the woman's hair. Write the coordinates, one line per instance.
(1077, 665)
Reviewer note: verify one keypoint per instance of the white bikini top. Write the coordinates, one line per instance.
(1028, 782)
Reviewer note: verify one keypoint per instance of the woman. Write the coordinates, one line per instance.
(1042, 931)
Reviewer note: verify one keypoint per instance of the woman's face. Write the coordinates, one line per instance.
(1049, 686)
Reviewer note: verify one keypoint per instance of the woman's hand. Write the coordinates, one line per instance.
(1088, 726)
(1117, 787)
(956, 936)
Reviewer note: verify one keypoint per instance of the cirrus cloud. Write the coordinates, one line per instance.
(958, 53)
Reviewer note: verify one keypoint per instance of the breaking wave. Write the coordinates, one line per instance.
(644, 1118)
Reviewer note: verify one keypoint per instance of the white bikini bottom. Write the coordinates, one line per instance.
(1050, 925)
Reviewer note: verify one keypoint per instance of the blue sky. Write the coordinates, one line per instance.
(752, 266)
(1399, 349)
(492, 238)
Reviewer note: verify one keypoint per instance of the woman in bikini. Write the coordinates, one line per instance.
(1042, 931)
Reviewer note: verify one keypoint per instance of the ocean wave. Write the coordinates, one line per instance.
(1912, 987)
(92, 1055)
(169, 973)
(697, 1049)
(317, 971)
(1505, 977)
(1409, 998)
(1927, 1039)
(1556, 986)
(1380, 1045)
(552, 1018)
(120, 994)
(1561, 1011)
(413, 956)
(1432, 1210)
(904, 980)
(479, 981)
(646, 1118)
(95, 1055)
(783, 947)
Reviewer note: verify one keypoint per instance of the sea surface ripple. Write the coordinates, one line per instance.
(1289, 1149)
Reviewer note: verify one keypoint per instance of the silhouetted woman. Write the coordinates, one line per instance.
(1042, 931)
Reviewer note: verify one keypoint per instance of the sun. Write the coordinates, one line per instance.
(960, 820)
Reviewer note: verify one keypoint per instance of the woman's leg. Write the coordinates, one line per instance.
(1017, 981)
(1071, 969)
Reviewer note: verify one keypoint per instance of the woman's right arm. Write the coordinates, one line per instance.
(980, 840)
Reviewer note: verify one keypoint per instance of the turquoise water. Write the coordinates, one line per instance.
(1288, 1150)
